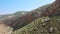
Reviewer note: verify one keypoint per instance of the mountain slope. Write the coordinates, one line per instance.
(30, 16)
(18, 13)
(52, 10)
(43, 25)
(51, 27)
(26, 19)
(10, 17)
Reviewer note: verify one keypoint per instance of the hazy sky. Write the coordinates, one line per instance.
(11, 6)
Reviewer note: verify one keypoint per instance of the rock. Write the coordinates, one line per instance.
(51, 29)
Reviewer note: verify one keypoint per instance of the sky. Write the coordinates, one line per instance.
(11, 6)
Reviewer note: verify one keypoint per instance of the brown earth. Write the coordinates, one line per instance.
(4, 29)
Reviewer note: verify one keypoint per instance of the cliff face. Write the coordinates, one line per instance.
(54, 9)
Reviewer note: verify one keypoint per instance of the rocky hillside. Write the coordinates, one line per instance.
(43, 25)
(8, 18)
(14, 15)
(28, 16)
(50, 10)
(44, 20)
